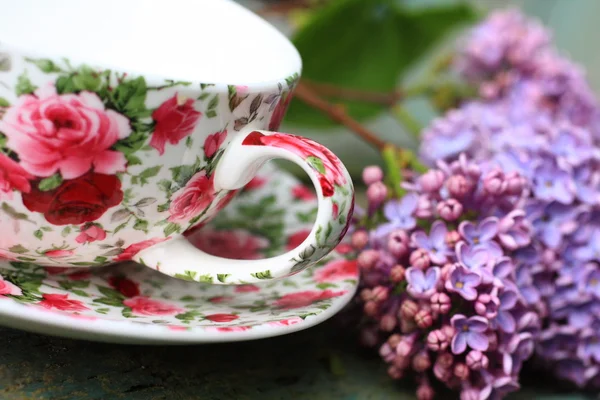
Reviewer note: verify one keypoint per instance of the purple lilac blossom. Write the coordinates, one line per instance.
(455, 285)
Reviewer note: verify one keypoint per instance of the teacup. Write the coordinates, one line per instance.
(126, 124)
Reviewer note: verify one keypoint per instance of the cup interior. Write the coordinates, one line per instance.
(210, 41)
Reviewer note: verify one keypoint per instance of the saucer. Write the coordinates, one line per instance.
(128, 303)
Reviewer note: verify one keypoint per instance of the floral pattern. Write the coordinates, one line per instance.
(254, 225)
(95, 164)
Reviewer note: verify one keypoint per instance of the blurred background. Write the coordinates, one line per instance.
(387, 45)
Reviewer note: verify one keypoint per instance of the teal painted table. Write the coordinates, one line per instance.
(320, 363)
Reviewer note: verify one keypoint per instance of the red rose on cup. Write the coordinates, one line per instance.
(175, 119)
(280, 110)
(135, 248)
(321, 157)
(68, 133)
(76, 201)
(296, 239)
(336, 271)
(90, 233)
(256, 183)
(221, 317)
(225, 200)
(235, 243)
(13, 176)
(194, 198)
(213, 142)
(145, 306)
(126, 287)
(58, 253)
(302, 192)
(247, 289)
(306, 298)
(61, 302)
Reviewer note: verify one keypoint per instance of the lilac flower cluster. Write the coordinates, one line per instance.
(439, 282)
(540, 120)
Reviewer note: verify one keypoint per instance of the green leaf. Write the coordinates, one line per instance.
(262, 275)
(187, 276)
(188, 142)
(187, 298)
(171, 228)
(316, 163)
(188, 315)
(127, 312)
(100, 260)
(130, 98)
(141, 225)
(4, 102)
(87, 79)
(102, 310)
(18, 249)
(372, 52)
(24, 85)
(326, 285)
(44, 64)
(214, 102)
(38, 234)
(203, 96)
(150, 172)
(50, 183)
(131, 143)
(122, 226)
(12, 212)
(222, 277)
(183, 173)
(109, 301)
(111, 293)
(164, 185)
(132, 160)
(207, 278)
(211, 114)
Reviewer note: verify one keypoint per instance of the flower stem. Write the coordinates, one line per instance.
(393, 169)
(407, 120)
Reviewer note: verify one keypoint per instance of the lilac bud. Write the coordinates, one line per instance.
(398, 243)
(394, 372)
(368, 337)
(401, 362)
(419, 259)
(372, 174)
(408, 310)
(432, 180)
(407, 325)
(452, 237)
(494, 182)
(437, 340)
(367, 259)
(424, 208)
(421, 362)
(394, 339)
(440, 302)
(458, 186)
(370, 308)
(366, 294)
(469, 394)
(380, 293)
(514, 183)
(387, 352)
(450, 209)
(397, 273)
(424, 319)
(448, 331)
(476, 360)
(549, 256)
(446, 270)
(387, 323)
(376, 194)
(445, 360)
(405, 347)
(359, 239)
(425, 392)
(487, 305)
(461, 371)
(443, 374)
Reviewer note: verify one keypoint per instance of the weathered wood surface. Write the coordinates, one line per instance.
(320, 363)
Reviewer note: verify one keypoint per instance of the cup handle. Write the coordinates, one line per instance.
(240, 162)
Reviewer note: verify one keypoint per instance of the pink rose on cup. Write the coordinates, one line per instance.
(306, 298)
(175, 119)
(90, 233)
(235, 243)
(322, 158)
(67, 133)
(247, 289)
(141, 305)
(194, 198)
(286, 322)
(135, 248)
(296, 239)
(256, 183)
(301, 192)
(228, 328)
(13, 176)
(336, 271)
(7, 287)
(213, 142)
(61, 302)
(58, 253)
(280, 110)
